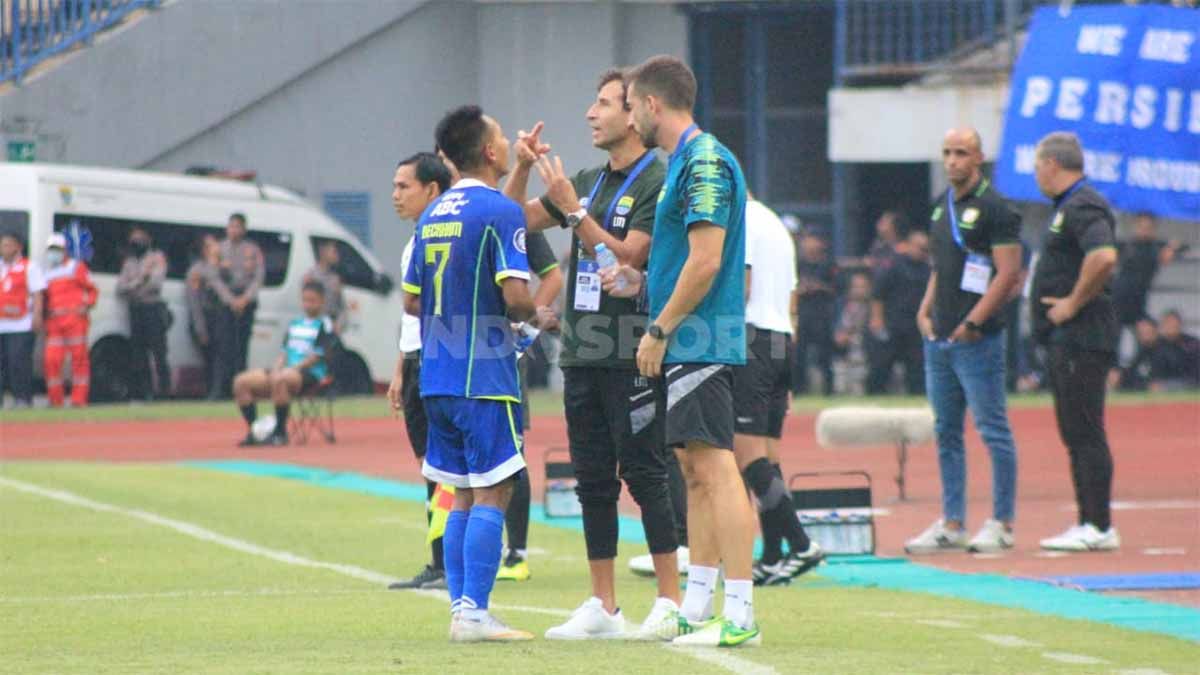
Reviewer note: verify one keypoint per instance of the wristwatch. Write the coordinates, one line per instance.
(655, 331)
(574, 218)
(973, 327)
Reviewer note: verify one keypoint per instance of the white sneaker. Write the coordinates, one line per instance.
(662, 623)
(992, 537)
(1084, 537)
(937, 538)
(643, 565)
(590, 622)
(485, 628)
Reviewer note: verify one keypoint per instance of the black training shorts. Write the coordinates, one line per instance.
(760, 388)
(696, 404)
(414, 408)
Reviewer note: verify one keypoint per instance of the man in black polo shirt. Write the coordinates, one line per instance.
(977, 265)
(610, 408)
(1073, 316)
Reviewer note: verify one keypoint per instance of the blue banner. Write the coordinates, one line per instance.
(1127, 81)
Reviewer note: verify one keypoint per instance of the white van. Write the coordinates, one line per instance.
(38, 199)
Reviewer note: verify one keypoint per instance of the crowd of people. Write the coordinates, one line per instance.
(53, 295)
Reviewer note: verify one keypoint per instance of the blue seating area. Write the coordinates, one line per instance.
(32, 31)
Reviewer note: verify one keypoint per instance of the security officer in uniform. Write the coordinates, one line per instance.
(1073, 315)
(140, 283)
(611, 424)
(242, 262)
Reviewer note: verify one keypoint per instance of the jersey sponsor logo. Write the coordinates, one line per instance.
(441, 230)
(519, 240)
(1056, 225)
(618, 222)
(624, 205)
(451, 205)
(969, 217)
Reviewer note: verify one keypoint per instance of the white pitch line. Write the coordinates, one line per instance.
(1164, 551)
(1142, 671)
(1077, 659)
(1008, 640)
(941, 623)
(175, 595)
(724, 660)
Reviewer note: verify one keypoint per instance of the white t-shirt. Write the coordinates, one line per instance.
(771, 257)
(36, 283)
(410, 326)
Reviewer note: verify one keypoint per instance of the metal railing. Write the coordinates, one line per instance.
(32, 31)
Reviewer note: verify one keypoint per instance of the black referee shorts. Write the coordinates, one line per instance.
(696, 400)
(760, 388)
(415, 421)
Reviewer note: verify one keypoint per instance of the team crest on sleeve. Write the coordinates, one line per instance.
(624, 205)
(519, 240)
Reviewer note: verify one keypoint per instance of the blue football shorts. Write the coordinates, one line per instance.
(472, 443)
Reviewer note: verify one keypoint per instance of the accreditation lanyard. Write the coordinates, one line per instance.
(957, 233)
(612, 205)
(683, 141)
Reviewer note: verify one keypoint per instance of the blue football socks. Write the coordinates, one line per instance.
(481, 554)
(452, 543)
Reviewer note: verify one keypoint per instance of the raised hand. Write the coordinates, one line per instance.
(529, 145)
(558, 186)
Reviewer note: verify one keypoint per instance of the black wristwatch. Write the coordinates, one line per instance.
(973, 327)
(655, 331)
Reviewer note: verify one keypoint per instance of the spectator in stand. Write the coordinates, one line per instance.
(890, 229)
(899, 289)
(850, 338)
(1180, 353)
(817, 292)
(140, 283)
(242, 264)
(70, 296)
(325, 273)
(1147, 364)
(1140, 261)
(21, 296)
(203, 278)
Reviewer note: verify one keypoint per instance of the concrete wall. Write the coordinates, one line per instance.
(327, 95)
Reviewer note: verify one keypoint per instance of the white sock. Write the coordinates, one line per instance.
(698, 598)
(739, 602)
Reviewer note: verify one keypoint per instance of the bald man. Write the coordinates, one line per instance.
(976, 268)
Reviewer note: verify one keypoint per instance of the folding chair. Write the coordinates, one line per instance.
(314, 411)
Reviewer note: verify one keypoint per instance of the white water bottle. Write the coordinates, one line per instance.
(606, 259)
(524, 338)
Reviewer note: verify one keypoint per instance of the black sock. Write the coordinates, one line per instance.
(281, 417)
(774, 507)
(249, 413)
(799, 539)
(516, 518)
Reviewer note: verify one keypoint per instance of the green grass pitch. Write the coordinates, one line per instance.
(87, 591)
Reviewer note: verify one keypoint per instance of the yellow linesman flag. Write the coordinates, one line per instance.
(442, 502)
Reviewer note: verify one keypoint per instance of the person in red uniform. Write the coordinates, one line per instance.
(70, 295)
(21, 297)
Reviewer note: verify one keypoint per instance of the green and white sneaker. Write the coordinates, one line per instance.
(666, 623)
(721, 632)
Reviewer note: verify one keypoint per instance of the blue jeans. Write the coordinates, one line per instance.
(958, 375)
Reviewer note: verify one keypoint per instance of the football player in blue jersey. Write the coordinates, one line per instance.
(467, 281)
(307, 342)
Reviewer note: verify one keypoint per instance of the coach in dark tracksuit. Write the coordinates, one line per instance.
(1073, 316)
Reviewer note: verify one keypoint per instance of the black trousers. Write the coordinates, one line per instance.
(148, 339)
(16, 366)
(231, 344)
(901, 346)
(815, 337)
(1077, 380)
(613, 433)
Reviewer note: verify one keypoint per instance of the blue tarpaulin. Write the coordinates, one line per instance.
(1127, 81)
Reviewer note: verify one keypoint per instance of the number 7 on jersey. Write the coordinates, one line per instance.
(437, 254)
